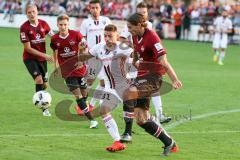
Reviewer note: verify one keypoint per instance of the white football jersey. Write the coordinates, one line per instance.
(126, 34)
(114, 63)
(222, 25)
(94, 30)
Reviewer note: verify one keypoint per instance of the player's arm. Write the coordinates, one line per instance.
(230, 28)
(35, 52)
(135, 61)
(56, 64)
(55, 54)
(170, 71)
(84, 56)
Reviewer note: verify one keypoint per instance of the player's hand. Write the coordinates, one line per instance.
(79, 65)
(49, 58)
(177, 84)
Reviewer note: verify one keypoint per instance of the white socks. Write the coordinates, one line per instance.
(112, 127)
(222, 55)
(157, 103)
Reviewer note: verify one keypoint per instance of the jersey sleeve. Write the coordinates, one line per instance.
(156, 46)
(24, 35)
(125, 33)
(83, 28)
(108, 21)
(79, 37)
(94, 51)
(47, 28)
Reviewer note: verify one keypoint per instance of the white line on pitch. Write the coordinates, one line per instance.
(175, 124)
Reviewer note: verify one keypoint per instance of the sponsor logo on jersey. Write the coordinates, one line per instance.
(38, 39)
(38, 36)
(67, 52)
(66, 49)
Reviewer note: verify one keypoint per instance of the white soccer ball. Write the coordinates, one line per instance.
(42, 99)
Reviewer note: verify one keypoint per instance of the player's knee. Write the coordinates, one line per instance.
(130, 93)
(104, 110)
(129, 106)
(140, 118)
(90, 82)
(39, 80)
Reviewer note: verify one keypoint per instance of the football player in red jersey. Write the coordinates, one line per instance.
(32, 35)
(66, 45)
(149, 50)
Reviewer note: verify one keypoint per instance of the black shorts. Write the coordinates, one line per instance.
(76, 82)
(36, 68)
(146, 86)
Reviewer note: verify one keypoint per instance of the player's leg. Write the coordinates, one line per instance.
(109, 102)
(157, 103)
(113, 131)
(128, 115)
(221, 56)
(216, 44)
(74, 86)
(223, 46)
(35, 70)
(43, 69)
(144, 120)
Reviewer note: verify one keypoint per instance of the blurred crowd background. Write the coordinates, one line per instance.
(182, 14)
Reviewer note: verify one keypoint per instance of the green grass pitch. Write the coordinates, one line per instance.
(211, 93)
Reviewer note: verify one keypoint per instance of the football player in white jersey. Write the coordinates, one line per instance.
(126, 36)
(113, 57)
(223, 26)
(93, 30)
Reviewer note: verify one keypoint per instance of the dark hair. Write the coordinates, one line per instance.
(62, 17)
(94, 2)
(136, 19)
(110, 28)
(142, 5)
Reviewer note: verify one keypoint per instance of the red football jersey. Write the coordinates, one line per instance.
(149, 49)
(36, 36)
(68, 48)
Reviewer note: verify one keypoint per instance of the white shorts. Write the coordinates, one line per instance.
(112, 97)
(220, 42)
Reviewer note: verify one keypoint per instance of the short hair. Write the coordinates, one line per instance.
(142, 5)
(110, 28)
(62, 17)
(29, 5)
(94, 2)
(136, 19)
